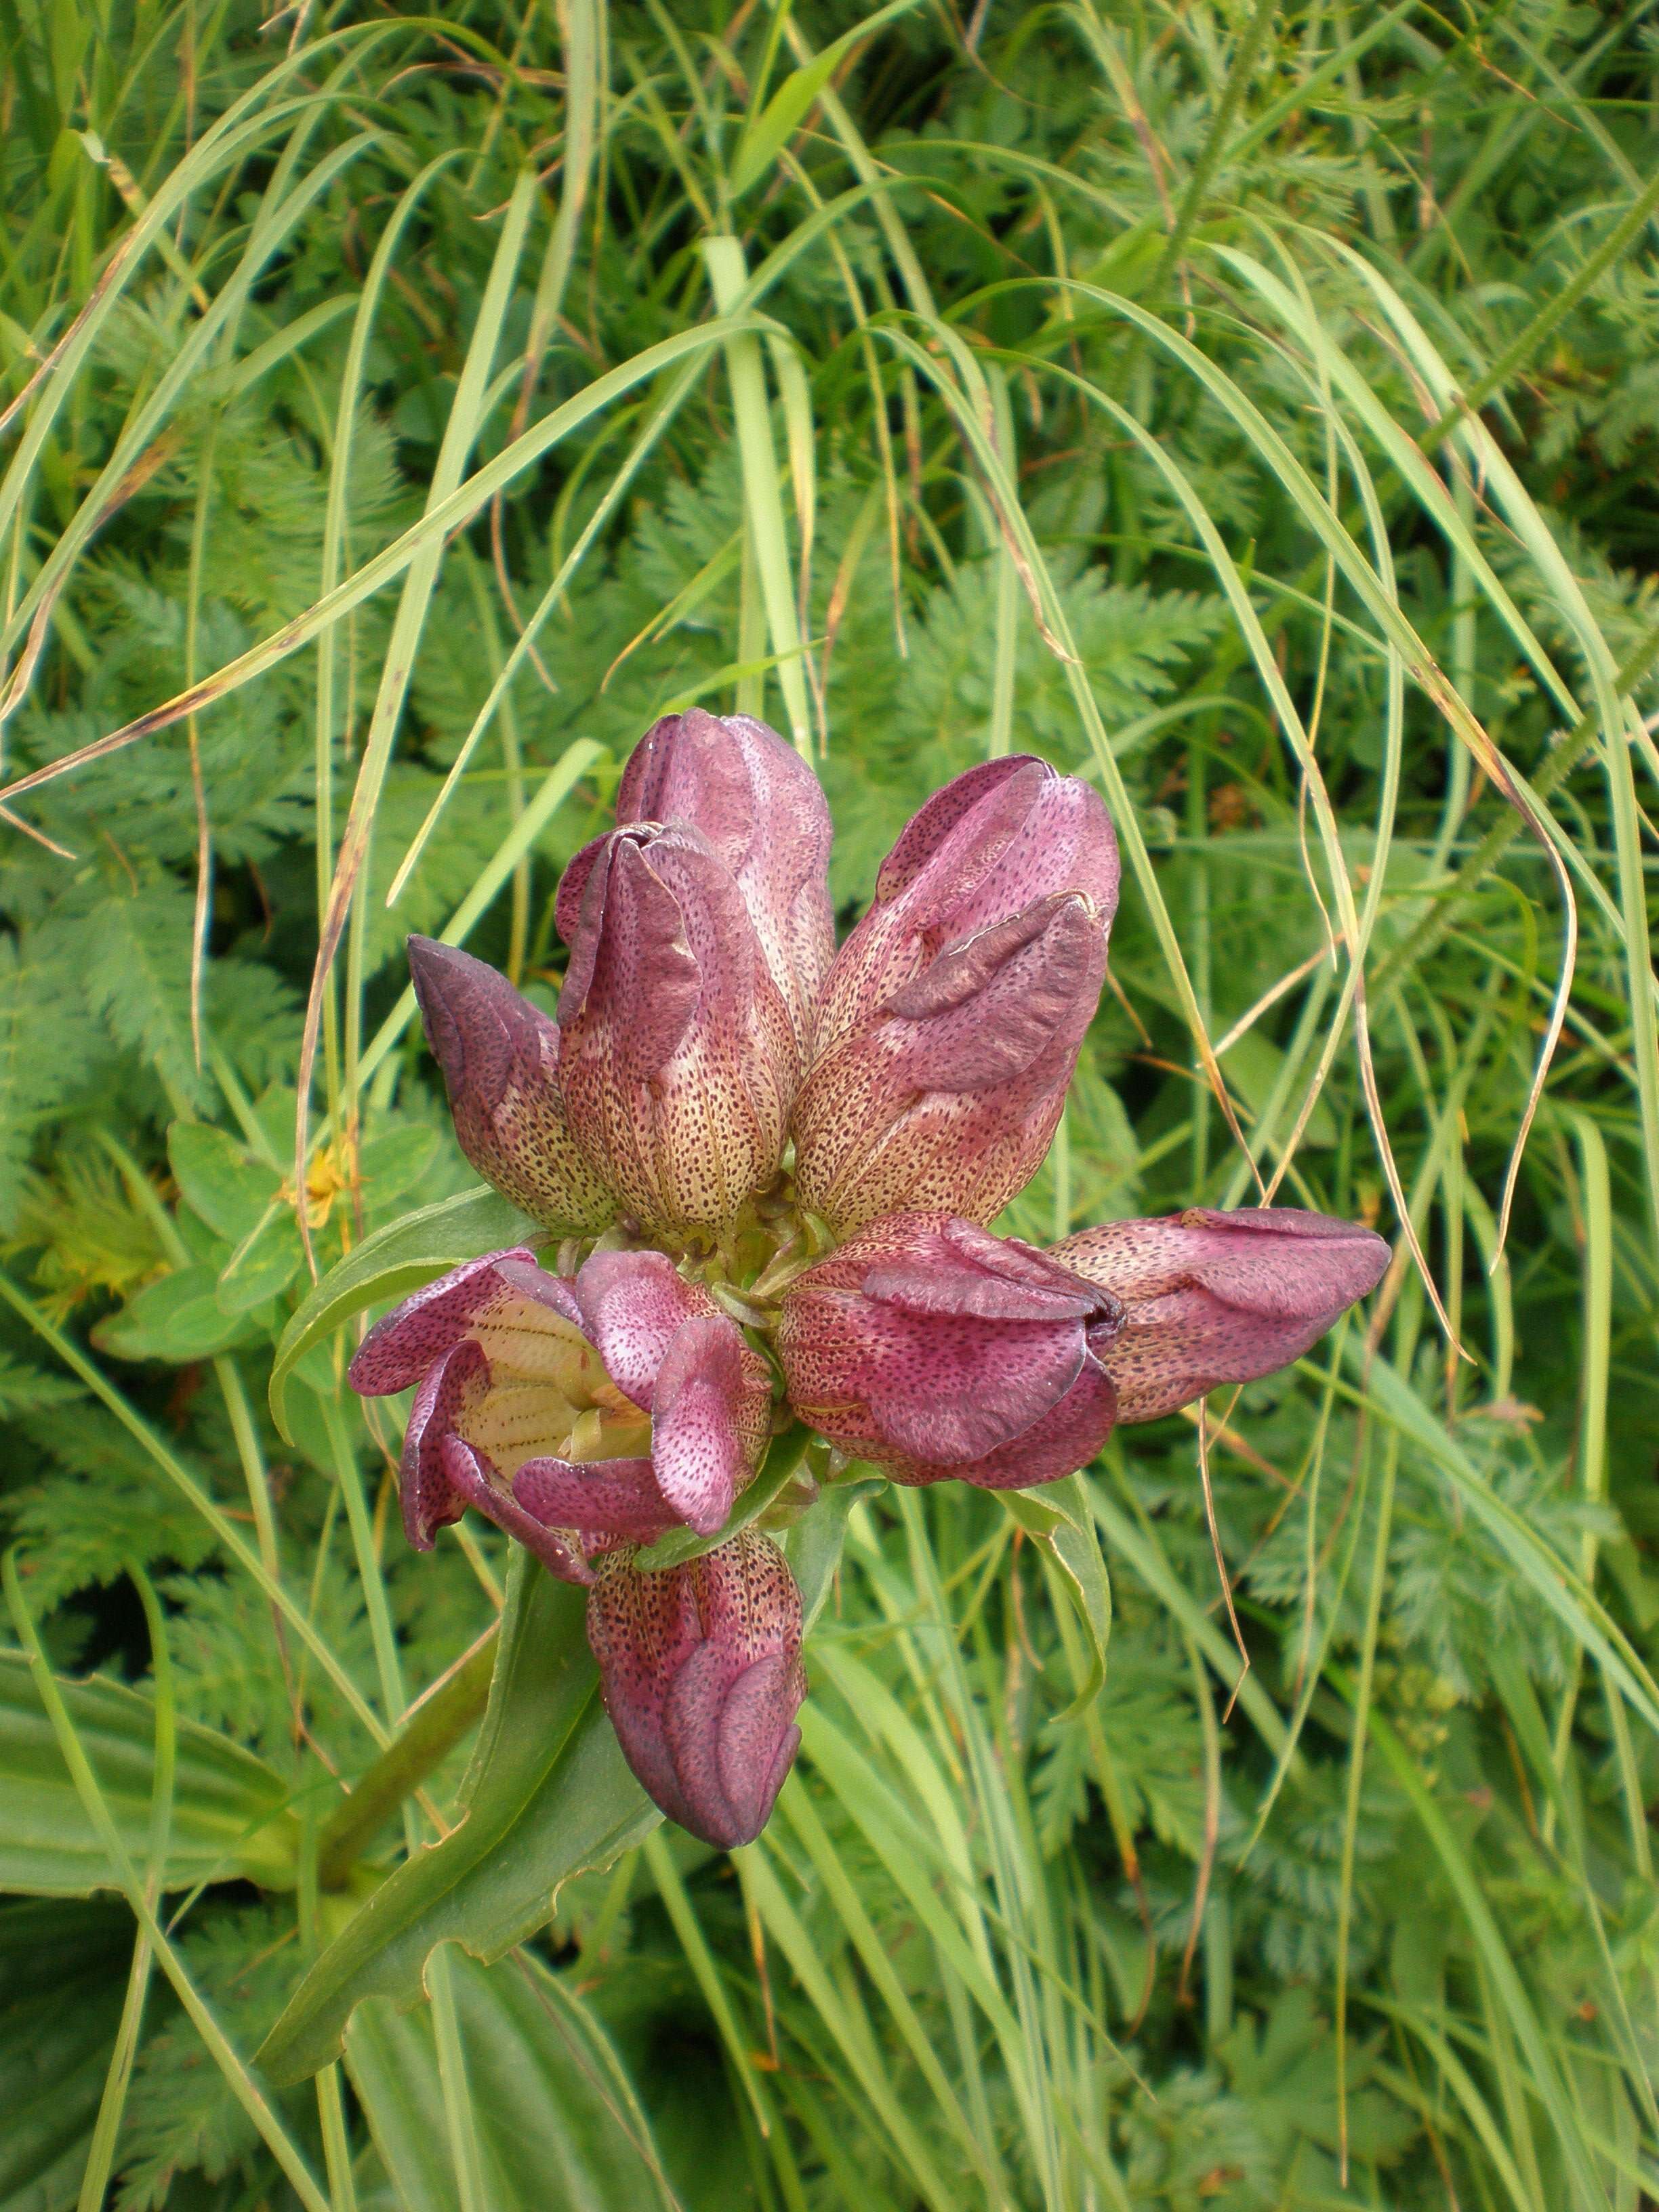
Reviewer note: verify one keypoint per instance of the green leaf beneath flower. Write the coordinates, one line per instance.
(548, 1795)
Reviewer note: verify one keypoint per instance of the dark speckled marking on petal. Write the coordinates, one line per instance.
(925, 1342)
(398, 1349)
(697, 1446)
(1215, 1297)
(632, 1305)
(702, 1679)
(500, 1058)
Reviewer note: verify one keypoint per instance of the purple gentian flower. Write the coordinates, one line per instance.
(706, 1026)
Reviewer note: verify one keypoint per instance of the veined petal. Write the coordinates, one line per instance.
(400, 1347)
(701, 1674)
(1212, 1298)
(500, 1060)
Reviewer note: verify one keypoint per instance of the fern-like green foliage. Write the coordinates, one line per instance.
(1114, 357)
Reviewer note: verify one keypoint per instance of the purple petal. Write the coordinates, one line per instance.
(1064, 1439)
(948, 1095)
(1215, 1297)
(733, 1742)
(678, 1061)
(936, 1263)
(995, 796)
(1005, 837)
(399, 1348)
(457, 1380)
(630, 960)
(697, 1442)
(702, 1679)
(468, 1478)
(985, 1010)
(632, 1305)
(763, 812)
(643, 1628)
(500, 1060)
(608, 1501)
(926, 1340)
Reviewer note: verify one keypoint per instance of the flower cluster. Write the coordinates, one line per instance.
(768, 1165)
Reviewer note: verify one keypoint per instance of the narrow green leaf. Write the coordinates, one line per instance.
(1059, 1518)
(764, 135)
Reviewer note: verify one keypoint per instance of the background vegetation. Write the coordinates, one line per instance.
(1250, 405)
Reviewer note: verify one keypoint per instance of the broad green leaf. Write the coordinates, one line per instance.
(392, 1161)
(221, 1182)
(1058, 1516)
(263, 1265)
(63, 1967)
(548, 1795)
(178, 1320)
(394, 1262)
(546, 2095)
(229, 1814)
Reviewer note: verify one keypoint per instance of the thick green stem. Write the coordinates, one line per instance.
(434, 1726)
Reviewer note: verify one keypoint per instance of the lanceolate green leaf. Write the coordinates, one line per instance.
(548, 2098)
(391, 1263)
(61, 1969)
(548, 1795)
(229, 1820)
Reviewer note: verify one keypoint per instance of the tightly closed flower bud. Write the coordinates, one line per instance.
(580, 1414)
(761, 807)
(702, 1679)
(500, 1057)
(1212, 1298)
(952, 1017)
(938, 1351)
(677, 1057)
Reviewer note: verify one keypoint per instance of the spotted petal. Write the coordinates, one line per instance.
(929, 1345)
(500, 1057)
(1212, 1298)
(701, 1674)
